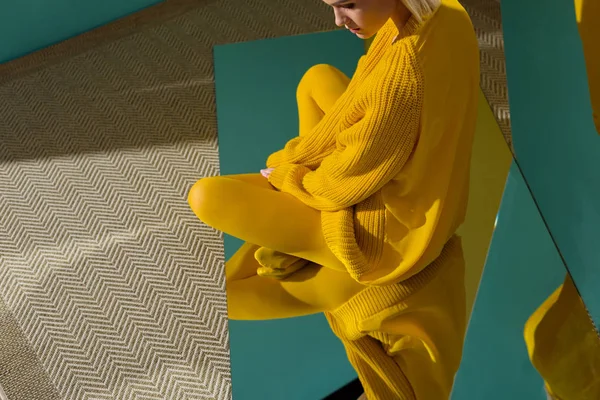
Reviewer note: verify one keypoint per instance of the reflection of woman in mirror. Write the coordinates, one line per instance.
(564, 346)
(356, 217)
(562, 342)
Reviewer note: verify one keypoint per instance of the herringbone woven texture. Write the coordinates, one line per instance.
(116, 285)
(487, 21)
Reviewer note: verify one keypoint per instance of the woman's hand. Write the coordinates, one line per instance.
(266, 172)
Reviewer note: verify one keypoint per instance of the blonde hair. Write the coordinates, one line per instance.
(421, 9)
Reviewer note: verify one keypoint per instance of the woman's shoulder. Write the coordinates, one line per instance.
(398, 74)
(450, 28)
(401, 60)
(398, 54)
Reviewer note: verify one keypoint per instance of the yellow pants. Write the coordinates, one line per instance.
(404, 340)
(249, 208)
(564, 346)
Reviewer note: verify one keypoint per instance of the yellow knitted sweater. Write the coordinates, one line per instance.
(388, 166)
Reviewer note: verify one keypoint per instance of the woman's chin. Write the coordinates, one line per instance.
(362, 35)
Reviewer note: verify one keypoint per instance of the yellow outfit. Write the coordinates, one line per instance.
(391, 159)
(564, 346)
(562, 342)
(367, 200)
(405, 340)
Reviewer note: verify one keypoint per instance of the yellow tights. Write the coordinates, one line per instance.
(564, 346)
(278, 221)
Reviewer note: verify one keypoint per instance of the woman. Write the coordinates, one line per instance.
(356, 216)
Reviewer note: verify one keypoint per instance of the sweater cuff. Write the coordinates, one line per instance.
(279, 174)
(275, 159)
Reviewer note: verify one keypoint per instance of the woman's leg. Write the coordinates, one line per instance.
(320, 87)
(278, 221)
(262, 216)
(313, 289)
(264, 219)
(318, 90)
(563, 345)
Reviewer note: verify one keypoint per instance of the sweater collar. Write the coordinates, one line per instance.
(409, 29)
(411, 26)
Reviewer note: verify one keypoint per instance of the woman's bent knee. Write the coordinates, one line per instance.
(319, 71)
(324, 84)
(202, 198)
(315, 76)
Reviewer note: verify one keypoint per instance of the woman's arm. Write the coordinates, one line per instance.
(311, 149)
(370, 153)
(304, 150)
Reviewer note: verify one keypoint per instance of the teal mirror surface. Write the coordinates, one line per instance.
(555, 141)
(529, 333)
(30, 25)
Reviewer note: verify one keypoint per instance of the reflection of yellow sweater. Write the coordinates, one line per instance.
(390, 161)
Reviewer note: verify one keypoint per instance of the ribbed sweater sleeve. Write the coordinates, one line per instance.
(310, 150)
(369, 153)
(306, 150)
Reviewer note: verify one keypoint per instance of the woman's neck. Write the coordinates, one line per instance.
(400, 18)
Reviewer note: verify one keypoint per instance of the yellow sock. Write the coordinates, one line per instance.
(277, 265)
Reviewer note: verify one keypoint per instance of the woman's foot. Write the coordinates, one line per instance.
(277, 265)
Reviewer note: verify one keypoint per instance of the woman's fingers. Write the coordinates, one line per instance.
(266, 172)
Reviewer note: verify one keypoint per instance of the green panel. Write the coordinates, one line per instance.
(29, 25)
(522, 269)
(299, 358)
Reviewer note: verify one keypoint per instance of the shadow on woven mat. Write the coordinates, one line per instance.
(114, 288)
